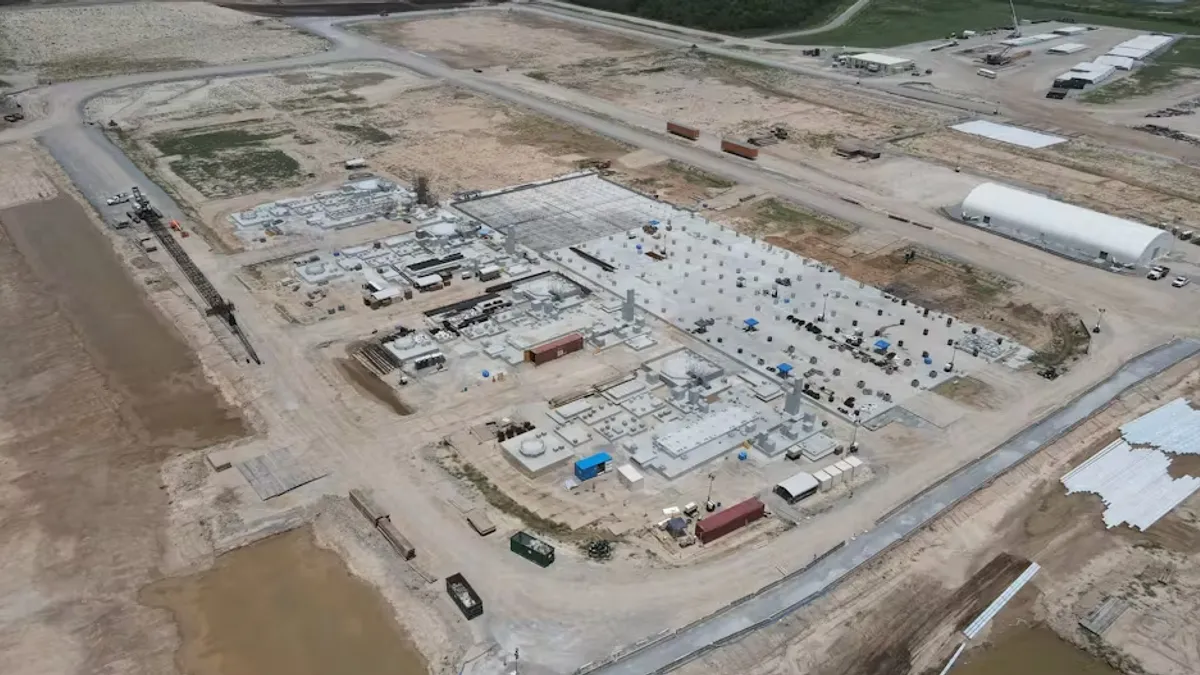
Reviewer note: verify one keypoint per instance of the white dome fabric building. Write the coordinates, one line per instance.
(1064, 229)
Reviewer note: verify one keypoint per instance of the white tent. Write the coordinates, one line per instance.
(1062, 228)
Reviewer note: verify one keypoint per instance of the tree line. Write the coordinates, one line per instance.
(727, 16)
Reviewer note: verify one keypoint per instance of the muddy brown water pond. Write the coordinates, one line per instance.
(1032, 650)
(139, 353)
(284, 605)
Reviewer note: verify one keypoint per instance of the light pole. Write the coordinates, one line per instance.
(708, 500)
(1099, 316)
(824, 305)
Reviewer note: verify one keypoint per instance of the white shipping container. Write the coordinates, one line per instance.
(630, 477)
(856, 465)
(835, 474)
(824, 480)
(846, 468)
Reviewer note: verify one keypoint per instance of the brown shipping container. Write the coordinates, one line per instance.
(733, 518)
(555, 348)
(680, 130)
(739, 149)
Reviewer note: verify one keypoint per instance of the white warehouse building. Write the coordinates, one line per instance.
(1061, 228)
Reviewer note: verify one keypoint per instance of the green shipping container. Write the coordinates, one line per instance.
(531, 548)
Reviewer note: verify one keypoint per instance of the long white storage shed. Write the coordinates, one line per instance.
(797, 487)
(1068, 48)
(1068, 230)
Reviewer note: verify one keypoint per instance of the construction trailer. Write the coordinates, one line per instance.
(730, 520)
(531, 548)
(468, 601)
(680, 130)
(590, 467)
(488, 273)
(554, 349)
(739, 149)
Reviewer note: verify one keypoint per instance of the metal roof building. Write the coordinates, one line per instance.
(1061, 228)
(884, 63)
(797, 487)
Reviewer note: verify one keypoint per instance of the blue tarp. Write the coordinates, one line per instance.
(752, 322)
(882, 344)
(784, 367)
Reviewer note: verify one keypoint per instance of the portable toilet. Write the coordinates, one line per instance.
(590, 467)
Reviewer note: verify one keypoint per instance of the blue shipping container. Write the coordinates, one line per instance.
(590, 467)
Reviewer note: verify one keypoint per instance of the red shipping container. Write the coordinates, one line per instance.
(740, 150)
(680, 130)
(733, 518)
(555, 348)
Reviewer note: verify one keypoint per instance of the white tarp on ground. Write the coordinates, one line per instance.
(1131, 474)
(1068, 48)
(1118, 62)
(1133, 482)
(1173, 428)
(1008, 134)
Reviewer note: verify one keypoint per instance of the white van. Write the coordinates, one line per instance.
(984, 72)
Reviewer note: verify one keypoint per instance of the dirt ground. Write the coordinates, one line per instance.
(63, 43)
(1139, 187)
(490, 40)
(733, 99)
(99, 392)
(929, 279)
(716, 95)
(230, 144)
(903, 611)
(283, 590)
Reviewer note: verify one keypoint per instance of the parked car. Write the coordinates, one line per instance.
(1158, 272)
(119, 198)
(1180, 282)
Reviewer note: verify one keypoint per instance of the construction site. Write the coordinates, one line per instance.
(467, 327)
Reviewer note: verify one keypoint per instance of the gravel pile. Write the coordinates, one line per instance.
(67, 42)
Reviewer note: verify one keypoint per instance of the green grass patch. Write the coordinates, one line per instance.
(227, 162)
(240, 172)
(1166, 70)
(726, 16)
(209, 142)
(889, 23)
(364, 132)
